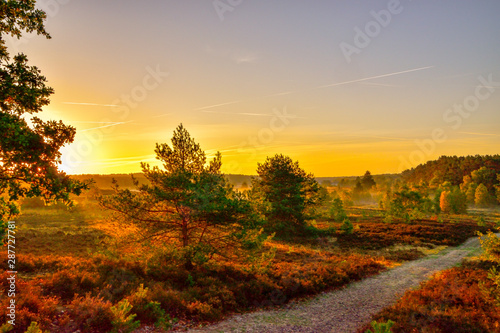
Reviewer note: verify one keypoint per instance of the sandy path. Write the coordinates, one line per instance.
(347, 309)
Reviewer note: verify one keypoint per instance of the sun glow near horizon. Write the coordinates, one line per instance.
(249, 93)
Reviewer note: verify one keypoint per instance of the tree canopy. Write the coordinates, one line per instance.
(29, 147)
(367, 181)
(452, 169)
(188, 204)
(287, 192)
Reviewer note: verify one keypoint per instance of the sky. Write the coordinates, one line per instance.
(341, 86)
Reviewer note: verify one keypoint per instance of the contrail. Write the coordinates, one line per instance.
(113, 124)
(241, 113)
(93, 122)
(216, 105)
(373, 77)
(324, 86)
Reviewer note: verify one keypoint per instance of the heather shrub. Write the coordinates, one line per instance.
(90, 314)
(453, 301)
(31, 306)
(170, 300)
(203, 311)
(67, 283)
(148, 311)
(119, 279)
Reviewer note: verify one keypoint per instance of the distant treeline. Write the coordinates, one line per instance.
(125, 180)
(452, 169)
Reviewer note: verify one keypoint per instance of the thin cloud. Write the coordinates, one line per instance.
(373, 77)
(481, 134)
(241, 113)
(282, 93)
(90, 104)
(104, 126)
(235, 55)
(246, 59)
(112, 162)
(378, 84)
(216, 105)
(325, 86)
(161, 115)
(94, 122)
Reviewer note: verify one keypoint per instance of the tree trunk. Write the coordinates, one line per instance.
(188, 263)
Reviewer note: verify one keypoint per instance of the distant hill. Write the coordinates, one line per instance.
(451, 168)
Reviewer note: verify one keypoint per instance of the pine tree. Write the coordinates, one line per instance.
(188, 203)
(367, 181)
(287, 194)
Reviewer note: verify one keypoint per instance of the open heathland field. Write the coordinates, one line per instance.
(76, 269)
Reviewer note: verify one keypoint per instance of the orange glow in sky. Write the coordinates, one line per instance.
(342, 87)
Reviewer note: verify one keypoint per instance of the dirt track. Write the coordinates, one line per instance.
(347, 309)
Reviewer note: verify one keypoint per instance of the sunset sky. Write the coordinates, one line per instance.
(341, 86)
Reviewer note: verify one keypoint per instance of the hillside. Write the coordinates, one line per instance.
(452, 169)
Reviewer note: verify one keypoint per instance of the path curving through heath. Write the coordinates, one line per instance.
(347, 309)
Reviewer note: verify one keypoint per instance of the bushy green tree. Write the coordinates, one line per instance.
(485, 176)
(287, 194)
(188, 203)
(406, 204)
(337, 211)
(453, 201)
(483, 197)
(29, 146)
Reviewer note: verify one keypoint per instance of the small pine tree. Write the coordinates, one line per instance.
(347, 227)
(337, 211)
(367, 181)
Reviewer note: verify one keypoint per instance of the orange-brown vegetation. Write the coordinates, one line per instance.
(454, 301)
(69, 280)
(376, 235)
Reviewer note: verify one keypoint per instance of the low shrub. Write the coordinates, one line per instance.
(147, 310)
(377, 235)
(67, 283)
(31, 305)
(90, 314)
(453, 301)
